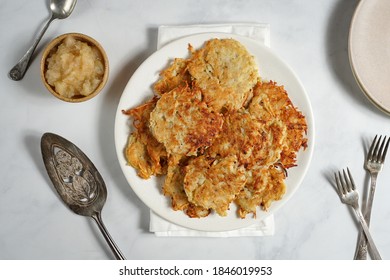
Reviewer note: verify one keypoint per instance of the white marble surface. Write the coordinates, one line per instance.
(311, 36)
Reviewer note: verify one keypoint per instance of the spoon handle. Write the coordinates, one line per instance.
(18, 71)
(98, 219)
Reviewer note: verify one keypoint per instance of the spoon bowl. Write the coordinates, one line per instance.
(77, 181)
(60, 9)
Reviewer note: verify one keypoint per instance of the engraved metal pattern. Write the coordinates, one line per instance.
(74, 176)
(77, 181)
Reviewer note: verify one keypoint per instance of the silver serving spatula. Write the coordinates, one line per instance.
(77, 181)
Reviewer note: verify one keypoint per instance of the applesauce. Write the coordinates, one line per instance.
(74, 68)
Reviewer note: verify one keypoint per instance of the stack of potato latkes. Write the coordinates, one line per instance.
(218, 132)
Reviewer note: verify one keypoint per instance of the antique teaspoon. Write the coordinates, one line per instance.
(77, 181)
(60, 9)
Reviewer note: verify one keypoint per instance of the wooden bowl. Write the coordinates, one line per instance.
(52, 47)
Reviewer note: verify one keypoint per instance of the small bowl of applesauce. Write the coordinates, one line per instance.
(74, 67)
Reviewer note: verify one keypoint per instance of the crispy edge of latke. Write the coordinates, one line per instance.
(174, 75)
(276, 102)
(296, 139)
(174, 189)
(137, 156)
(263, 187)
(153, 156)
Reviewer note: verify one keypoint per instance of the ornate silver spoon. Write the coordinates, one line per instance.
(77, 181)
(60, 9)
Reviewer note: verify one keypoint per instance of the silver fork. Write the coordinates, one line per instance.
(374, 164)
(350, 196)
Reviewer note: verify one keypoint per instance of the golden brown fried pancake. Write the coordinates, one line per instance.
(213, 184)
(263, 186)
(143, 151)
(225, 72)
(174, 188)
(173, 76)
(218, 132)
(271, 101)
(255, 143)
(137, 156)
(183, 122)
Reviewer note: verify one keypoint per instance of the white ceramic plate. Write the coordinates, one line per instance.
(369, 50)
(139, 89)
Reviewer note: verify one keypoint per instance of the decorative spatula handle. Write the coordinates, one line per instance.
(114, 248)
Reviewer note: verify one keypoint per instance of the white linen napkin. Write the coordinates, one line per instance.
(257, 31)
(167, 34)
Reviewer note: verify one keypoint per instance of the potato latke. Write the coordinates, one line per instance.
(218, 133)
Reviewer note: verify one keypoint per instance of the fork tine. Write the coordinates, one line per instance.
(377, 149)
(372, 147)
(380, 151)
(383, 155)
(347, 182)
(352, 185)
(343, 183)
(338, 183)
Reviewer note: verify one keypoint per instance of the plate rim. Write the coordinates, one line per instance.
(353, 67)
(308, 114)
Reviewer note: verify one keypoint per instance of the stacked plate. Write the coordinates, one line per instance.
(369, 50)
